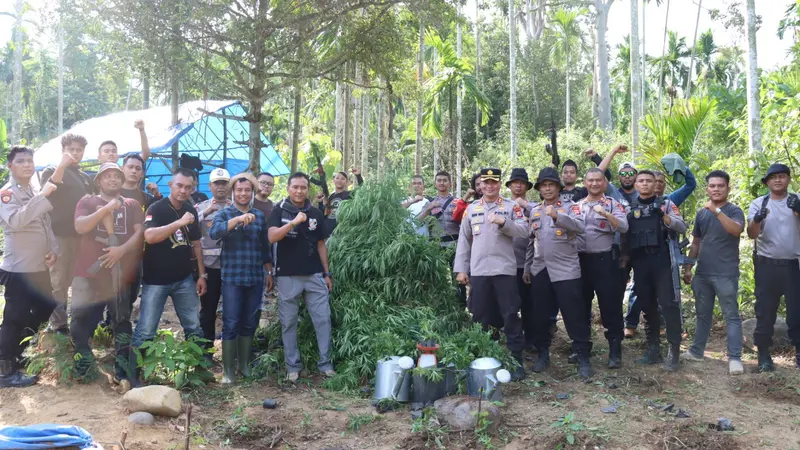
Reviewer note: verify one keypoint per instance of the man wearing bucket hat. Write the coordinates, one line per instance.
(553, 269)
(519, 185)
(107, 261)
(774, 224)
(485, 260)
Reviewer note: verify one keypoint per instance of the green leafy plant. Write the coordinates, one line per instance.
(483, 430)
(55, 358)
(569, 427)
(167, 360)
(428, 426)
(103, 336)
(356, 421)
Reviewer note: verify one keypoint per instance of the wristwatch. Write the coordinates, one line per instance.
(327, 274)
(717, 212)
(204, 276)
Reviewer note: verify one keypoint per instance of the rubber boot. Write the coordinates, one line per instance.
(652, 355)
(797, 356)
(673, 358)
(614, 354)
(543, 361)
(10, 375)
(765, 360)
(229, 349)
(585, 370)
(573, 358)
(519, 373)
(245, 350)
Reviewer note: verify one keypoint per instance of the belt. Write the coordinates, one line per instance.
(598, 255)
(648, 251)
(776, 262)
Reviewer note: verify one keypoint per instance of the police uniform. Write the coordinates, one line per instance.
(28, 293)
(600, 266)
(552, 259)
(485, 250)
(444, 213)
(652, 272)
(776, 255)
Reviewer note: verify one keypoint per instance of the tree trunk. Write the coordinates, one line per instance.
(16, 89)
(337, 120)
(347, 156)
(435, 141)
(365, 134)
(643, 109)
(382, 133)
(603, 88)
(298, 100)
(688, 89)
(255, 136)
(636, 78)
(357, 112)
(61, 72)
(566, 72)
(173, 107)
(661, 63)
(146, 89)
(477, 69)
(753, 96)
(512, 70)
(459, 106)
(420, 75)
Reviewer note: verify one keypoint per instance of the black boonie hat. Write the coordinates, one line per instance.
(774, 169)
(490, 173)
(548, 174)
(519, 173)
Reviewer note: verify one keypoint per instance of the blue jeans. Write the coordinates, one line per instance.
(154, 296)
(240, 310)
(726, 289)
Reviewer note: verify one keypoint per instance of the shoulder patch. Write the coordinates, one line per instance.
(518, 212)
(576, 209)
(5, 196)
(148, 218)
(675, 208)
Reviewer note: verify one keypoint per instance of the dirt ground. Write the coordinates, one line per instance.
(764, 409)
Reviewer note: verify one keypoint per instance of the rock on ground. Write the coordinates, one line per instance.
(460, 412)
(158, 400)
(141, 418)
(780, 337)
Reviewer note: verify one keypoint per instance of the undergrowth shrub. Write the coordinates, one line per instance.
(167, 360)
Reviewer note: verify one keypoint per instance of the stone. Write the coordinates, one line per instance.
(460, 412)
(141, 418)
(157, 400)
(780, 338)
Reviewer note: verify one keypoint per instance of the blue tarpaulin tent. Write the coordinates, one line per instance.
(217, 141)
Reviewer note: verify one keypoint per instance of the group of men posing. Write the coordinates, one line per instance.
(525, 260)
(105, 237)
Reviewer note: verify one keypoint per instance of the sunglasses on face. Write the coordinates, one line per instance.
(627, 174)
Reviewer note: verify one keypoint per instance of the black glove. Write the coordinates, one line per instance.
(760, 215)
(793, 203)
(655, 209)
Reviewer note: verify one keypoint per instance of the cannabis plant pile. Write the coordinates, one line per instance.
(392, 288)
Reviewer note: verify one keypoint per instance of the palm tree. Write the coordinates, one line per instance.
(621, 74)
(661, 61)
(568, 44)
(672, 66)
(705, 50)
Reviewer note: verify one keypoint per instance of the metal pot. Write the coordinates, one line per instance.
(392, 380)
(484, 377)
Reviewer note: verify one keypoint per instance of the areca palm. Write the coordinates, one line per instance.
(621, 74)
(673, 62)
(705, 50)
(569, 43)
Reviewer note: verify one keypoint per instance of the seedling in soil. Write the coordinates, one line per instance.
(356, 421)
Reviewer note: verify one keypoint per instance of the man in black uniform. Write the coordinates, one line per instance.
(649, 219)
(519, 185)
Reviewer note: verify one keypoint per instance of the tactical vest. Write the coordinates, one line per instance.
(644, 228)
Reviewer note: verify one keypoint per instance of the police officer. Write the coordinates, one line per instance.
(519, 184)
(30, 249)
(604, 217)
(649, 220)
(554, 272)
(774, 223)
(219, 180)
(485, 251)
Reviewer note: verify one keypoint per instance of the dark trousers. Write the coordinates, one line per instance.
(566, 295)
(240, 311)
(493, 294)
(599, 272)
(208, 305)
(29, 303)
(526, 308)
(652, 273)
(776, 278)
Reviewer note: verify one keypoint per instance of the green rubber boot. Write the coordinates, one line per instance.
(229, 349)
(245, 346)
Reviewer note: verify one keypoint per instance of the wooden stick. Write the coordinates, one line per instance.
(188, 425)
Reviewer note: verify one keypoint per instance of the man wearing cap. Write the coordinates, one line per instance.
(519, 185)
(219, 180)
(553, 269)
(774, 224)
(604, 217)
(485, 251)
(107, 261)
(29, 249)
(649, 221)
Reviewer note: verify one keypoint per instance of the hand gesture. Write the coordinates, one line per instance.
(497, 219)
(462, 278)
(599, 210)
(49, 188)
(112, 256)
(66, 160)
(138, 124)
(589, 153)
(187, 219)
(113, 205)
(320, 197)
(247, 219)
(152, 188)
(50, 259)
(621, 148)
(355, 171)
(760, 215)
(521, 202)
(433, 205)
(214, 206)
(299, 218)
(329, 283)
(793, 203)
(550, 211)
(526, 277)
(687, 276)
(418, 198)
(201, 286)
(709, 206)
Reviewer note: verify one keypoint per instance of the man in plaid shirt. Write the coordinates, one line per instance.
(245, 256)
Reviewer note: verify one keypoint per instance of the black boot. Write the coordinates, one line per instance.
(519, 373)
(614, 353)
(797, 357)
(10, 375)
(672, 363)
(573, 358)
(765, 360)
(585, 370)
(652, 355)
(543, 361)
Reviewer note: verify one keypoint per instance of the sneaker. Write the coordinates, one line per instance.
(630, 333)
(689, 356)
(330, 373)
(735, 367)
(292, 377)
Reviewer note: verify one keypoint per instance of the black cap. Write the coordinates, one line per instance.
(776, 168)
(519, 173)
(569, 162)
(548, 174)
(490, 173)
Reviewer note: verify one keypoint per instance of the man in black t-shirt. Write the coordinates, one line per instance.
(301, 269)
(340, 194)
(172, 236)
